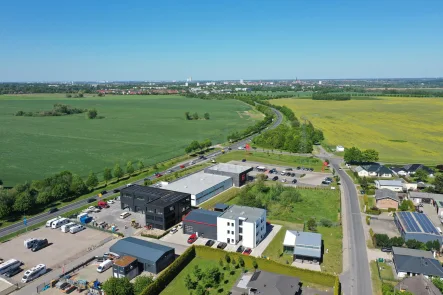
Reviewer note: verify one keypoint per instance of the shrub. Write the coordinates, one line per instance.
(337, 287)
(368, 220)
(392, 209)
(326, 222)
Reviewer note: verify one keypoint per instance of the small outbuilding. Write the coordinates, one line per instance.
(125, 267)
(303, 245)
(152, 257)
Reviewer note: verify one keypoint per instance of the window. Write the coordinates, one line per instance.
(232, 224)
(232, 233)
(240, 230)
(240, 222)
(229, 231)
(228, 223)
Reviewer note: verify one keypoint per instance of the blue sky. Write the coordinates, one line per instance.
(171, 40)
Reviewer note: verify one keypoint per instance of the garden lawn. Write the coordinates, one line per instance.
(148, 128)
(177, 286)
(223, 198)
(271, 158)
(391, 125)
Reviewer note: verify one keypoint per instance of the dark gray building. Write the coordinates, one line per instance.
(411, 262)
(203, 222)
(263, 282)
(238, 173)
(416, 226)
(151, 257)
(125, 267)
(163, 208)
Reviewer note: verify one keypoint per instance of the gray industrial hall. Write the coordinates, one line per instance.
(238, 173)
(151, 257)
(203, 222)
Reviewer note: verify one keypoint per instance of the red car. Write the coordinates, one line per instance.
(192, 238)
(182, 166)
(158, 175)
(103, 204)
(247, 251)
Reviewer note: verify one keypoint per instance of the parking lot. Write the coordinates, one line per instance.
(111, 216)
(385, 225)
(309, 178)
(63, 247)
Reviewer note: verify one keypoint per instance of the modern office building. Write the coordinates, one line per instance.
(163, 208)
(241, 223)
(201, 186)
(417, 226)
(125, 267)
(151, 257)
(203, 222)
(238, 173)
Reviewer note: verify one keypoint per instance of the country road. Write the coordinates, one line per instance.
(46, 216)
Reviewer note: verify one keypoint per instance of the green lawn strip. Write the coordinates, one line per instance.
(376, 281)
(177, 286)
(351, 174)
(272, 159)
(333, 242)
(386, 271)
(274, 251)
(223, 198)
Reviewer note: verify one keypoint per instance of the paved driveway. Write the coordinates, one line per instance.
(383, 226)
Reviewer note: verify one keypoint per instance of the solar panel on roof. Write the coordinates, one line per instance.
(426, 224)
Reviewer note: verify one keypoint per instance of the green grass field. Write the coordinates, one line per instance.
(148, 128)
(271, 158)
(403, 130)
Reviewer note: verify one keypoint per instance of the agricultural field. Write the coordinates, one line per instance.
(402, 129)
(147, 128)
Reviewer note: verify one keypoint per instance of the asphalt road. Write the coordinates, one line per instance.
(357, 278)
(46, 216)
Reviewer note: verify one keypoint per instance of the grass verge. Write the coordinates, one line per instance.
(376, 281)
(224, 197)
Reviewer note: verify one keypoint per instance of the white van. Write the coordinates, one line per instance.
(124, 215)
(8, 265)
(81, 215)
(50, 221)
(60, 222)
(104, 265)
(34, 273)
(29, 243)
(76, 229)
(65, 228)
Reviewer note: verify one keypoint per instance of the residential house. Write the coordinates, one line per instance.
(412, 168)
(339, 148)
(303, 245)
(393, 185)
(411, 262)
(374, 170)
(429, 198)
(386, 199)
(268, 283)
(418, 285)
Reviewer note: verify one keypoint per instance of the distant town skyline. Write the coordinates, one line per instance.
(174, 40)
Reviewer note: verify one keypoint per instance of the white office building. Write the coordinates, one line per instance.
(202, 186)
(242, 224)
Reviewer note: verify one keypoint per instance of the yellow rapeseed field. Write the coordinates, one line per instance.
(402, 129)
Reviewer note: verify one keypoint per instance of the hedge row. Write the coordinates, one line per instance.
(337, 287)
(167, 275)
(154, 236)
(269, 265)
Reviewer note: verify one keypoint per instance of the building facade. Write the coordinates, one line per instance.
(241, 223)
(238, 173)
(202, 222)
(125, 267)
(393, 185)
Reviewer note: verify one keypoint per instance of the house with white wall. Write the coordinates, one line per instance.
(411, 262)
(242, 224)
(393, 185)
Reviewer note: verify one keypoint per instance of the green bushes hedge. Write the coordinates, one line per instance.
(170, 272)
(269, 265)
(154, 236)
(337, 287)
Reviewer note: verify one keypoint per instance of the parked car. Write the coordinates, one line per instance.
(240, 148)
(192, 238)
(247, 251)
(362, 192)
(292, 174)
(103, 192)
(40, 244)
(52, 210)
(116, 190)
(386, 249)
(192, 163)
(158, 175)
(94, 209)
(182, 166)
(243, 160)
(240, 249)
(12, 272)
(111, 202)
(294, 180)
(221, 245)
(229, 148)
(209, 243)
(326, 182)
(173, 230)
(289, 169)
(283, 173)
(90, 200)
(169, 171)
(275, 178)
(283, 180)
(111, 255)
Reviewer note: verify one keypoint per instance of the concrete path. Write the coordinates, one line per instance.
(258, 251)
(314, 267)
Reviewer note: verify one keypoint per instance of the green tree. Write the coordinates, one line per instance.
(206, 144)
(140, 284)
(414, 244)
(78, 186)
(421, 175)
(254, 264)
(6, 203)
(200, 290)
(241, 261)
(364, 183)
(24, 202)
(188, 116)
(107, 175)
(195, 116)
(206, 115)
(397, 241)
(353, 155)
(92, 114)
(212, 277)
(189, 283)
(92, 180)
(227, 258)
(129, 168)
(140, 165)
(118, 286)
(312, 224)
(438, 183)
(198, 273)
(370, 155)
(406, 205)
(118, 171)
(220, 262)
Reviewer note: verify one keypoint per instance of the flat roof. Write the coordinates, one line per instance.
(140, 249)
(419, 195)
(203, 216)
(249, 213)
(390, 182)
(153, 195)
(225, 167)
(220, 206)
(124, 261)
(196, 183)
(414, 222)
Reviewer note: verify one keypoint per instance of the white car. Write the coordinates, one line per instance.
(240, 147)
(110, 202)
(283, 180)
(94, 209)
(173, 230)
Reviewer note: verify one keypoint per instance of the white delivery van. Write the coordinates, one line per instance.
(29, 243)
(81, 215)
(65, 228)
(34, 273)
(104, 265)
(60, 222)
(76, 229)
(49, 222)
(124, 215)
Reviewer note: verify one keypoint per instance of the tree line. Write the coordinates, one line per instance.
(330, 96)
(195, 146)
(383, 241)
(57, 110)
(354, 155)
(195, 116)
(27, 88)
(35, 196)
(122, 286)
